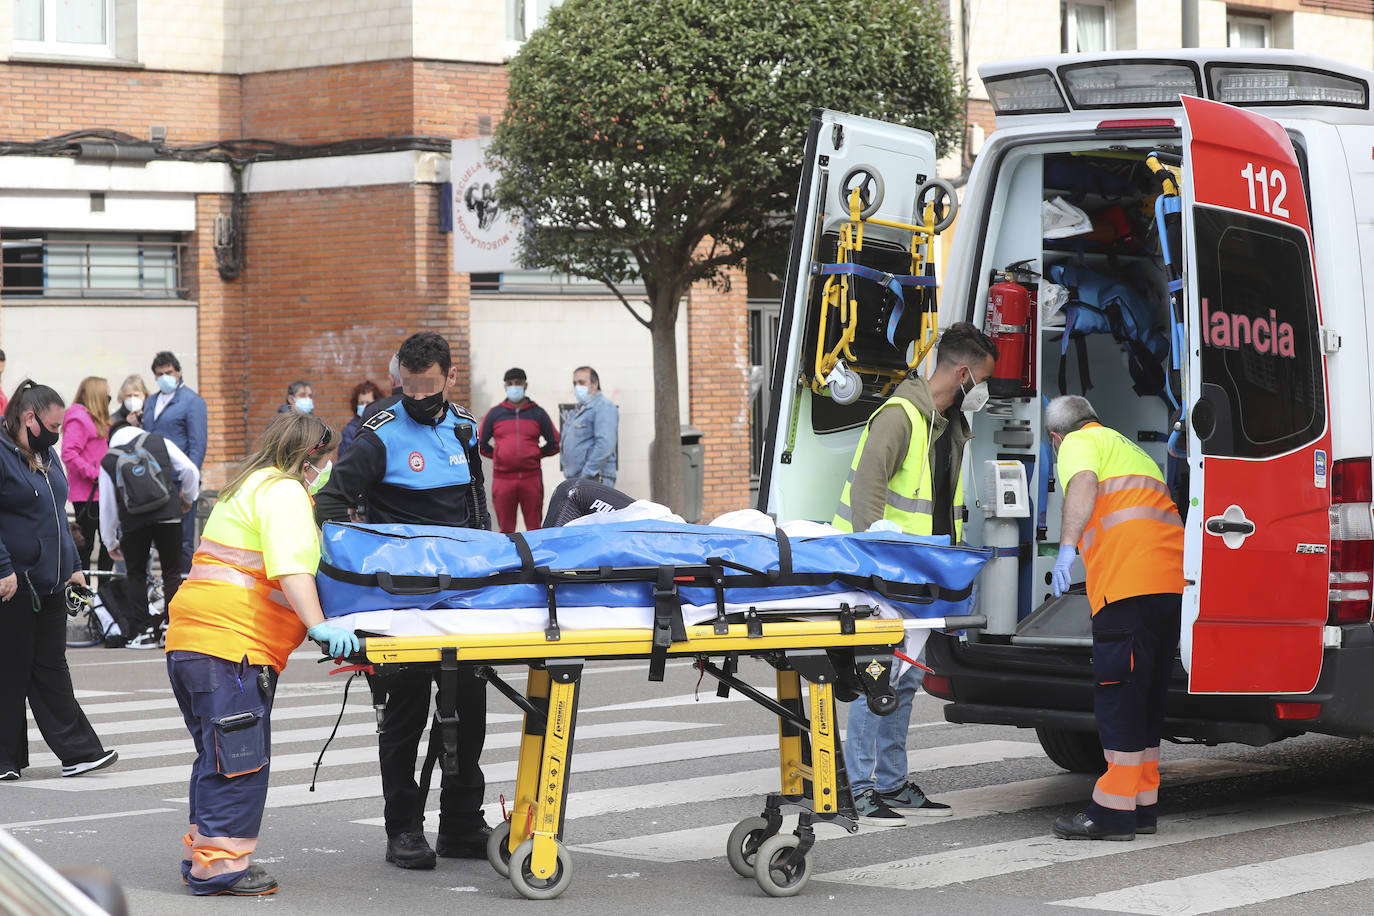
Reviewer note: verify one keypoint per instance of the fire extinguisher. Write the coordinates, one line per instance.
(1011, 325)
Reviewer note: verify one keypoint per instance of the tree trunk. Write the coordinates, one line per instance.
(665, 459)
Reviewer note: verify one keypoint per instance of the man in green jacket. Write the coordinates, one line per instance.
(906, 471)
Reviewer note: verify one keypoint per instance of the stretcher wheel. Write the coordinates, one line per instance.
(941, 193)
(871, 189)
(531, 887)
(498, 849)
(771, 871)
(745, 840)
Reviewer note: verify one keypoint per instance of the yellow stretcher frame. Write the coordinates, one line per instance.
(527, 848)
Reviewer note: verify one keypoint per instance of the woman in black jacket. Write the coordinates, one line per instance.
(37, 561)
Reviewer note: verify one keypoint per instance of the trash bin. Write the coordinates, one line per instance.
(693, 473)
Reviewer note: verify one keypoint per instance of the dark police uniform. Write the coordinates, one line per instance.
(403, 471)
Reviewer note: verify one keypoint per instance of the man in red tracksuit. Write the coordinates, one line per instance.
(510, 437)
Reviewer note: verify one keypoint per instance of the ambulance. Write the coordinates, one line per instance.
(1186, 237)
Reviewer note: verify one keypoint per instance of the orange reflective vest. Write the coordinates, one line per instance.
(1133, 543)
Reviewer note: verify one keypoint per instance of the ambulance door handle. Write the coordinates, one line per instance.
(1231, 526)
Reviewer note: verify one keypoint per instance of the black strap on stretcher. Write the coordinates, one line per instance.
(443, 731)
(668, 625)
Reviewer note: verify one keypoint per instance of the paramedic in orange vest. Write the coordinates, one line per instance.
(907, 473)
(247, 602)
(1118, 510)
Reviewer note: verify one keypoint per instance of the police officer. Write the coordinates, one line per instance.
(416, 461)
(1118, 511)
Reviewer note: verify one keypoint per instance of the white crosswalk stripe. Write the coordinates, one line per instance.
(1226, 888)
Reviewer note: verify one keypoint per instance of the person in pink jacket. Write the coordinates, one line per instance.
(85, 426)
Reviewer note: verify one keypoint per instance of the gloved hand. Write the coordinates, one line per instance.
(1062, 568)
(341, 642)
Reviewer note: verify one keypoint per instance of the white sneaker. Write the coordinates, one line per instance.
(86, 766)
(150, 638)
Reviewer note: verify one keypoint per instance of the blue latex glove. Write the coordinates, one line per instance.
(341, 642)
(1062, 568)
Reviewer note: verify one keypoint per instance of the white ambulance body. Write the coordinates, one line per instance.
(1266, 349)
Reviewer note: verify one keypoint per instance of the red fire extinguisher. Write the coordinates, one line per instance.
(1011, 325)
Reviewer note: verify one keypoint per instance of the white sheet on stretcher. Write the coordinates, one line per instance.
(471, 622)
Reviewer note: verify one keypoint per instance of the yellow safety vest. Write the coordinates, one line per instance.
(910, 492)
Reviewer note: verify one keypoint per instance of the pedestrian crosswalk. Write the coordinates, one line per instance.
(663, 780)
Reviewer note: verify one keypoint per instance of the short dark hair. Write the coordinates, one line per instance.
(166, 358)
(596, 379)
(297, 385)
(514, 372)
(2, 356)
(424, 349)
(961, 342)
(364, 387)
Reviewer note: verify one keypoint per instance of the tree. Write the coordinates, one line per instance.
(661, 140)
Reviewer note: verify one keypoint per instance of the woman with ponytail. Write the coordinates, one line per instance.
(37, 561)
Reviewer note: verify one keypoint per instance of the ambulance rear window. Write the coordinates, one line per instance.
(1262, 390)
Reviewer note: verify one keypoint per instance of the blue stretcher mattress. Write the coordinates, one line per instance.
(368, 568)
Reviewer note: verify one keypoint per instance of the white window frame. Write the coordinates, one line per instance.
(1071, 23)
(530, 9)
(52, 47)
(1234, 20)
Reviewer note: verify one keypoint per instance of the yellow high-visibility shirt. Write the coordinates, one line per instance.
(231, 605)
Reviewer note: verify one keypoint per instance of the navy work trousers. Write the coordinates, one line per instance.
(228, 714)
(1134, 643)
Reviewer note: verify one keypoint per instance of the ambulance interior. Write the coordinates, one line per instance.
(1116, 190)
(817, 428)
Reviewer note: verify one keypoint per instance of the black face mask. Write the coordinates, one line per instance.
(43, 441)
(424, 410)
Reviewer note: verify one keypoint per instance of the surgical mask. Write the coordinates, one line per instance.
(515, 392)
(361, 408)
(424, 410)
(167, 383)
(321, 477)
(133, 404)
(582, 393)
(305, 405)
(975, 398)
(43, 440)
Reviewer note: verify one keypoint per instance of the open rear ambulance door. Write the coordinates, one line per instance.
(810, 439)
(1258, 531)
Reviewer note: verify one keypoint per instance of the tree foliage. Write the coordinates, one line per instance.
(661, 140)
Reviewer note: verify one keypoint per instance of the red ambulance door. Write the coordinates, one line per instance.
(1260, 445)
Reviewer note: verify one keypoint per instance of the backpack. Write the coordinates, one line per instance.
(142, 483)
(1101, 304)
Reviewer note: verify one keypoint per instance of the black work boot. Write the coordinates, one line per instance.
(1082, 827)
(255, 883)
(410, 850)
(469, 845)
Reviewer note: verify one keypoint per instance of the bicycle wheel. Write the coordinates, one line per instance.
(84, 630)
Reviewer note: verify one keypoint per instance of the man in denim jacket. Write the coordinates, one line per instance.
(591, 433)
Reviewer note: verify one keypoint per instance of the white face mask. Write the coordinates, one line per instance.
(582, 393)
(133, 404)
(975, 398)
(321, 477)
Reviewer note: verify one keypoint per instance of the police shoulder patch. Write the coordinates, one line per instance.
(379, 419)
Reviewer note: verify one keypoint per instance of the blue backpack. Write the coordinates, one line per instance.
(1099, 304)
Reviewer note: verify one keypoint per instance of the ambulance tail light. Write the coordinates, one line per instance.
(1302, 712)
(1351, 581)
(937, 685)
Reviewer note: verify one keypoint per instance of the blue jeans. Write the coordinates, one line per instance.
(188, 537)
(875, 746)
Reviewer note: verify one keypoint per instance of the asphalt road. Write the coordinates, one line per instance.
(659, 778)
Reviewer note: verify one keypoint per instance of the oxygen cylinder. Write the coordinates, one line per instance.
(1008, 324)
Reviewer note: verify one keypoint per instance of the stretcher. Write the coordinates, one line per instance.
(837, 632)
(845, 655)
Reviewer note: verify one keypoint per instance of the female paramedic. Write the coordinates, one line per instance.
(246, 604)
(37, 560)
